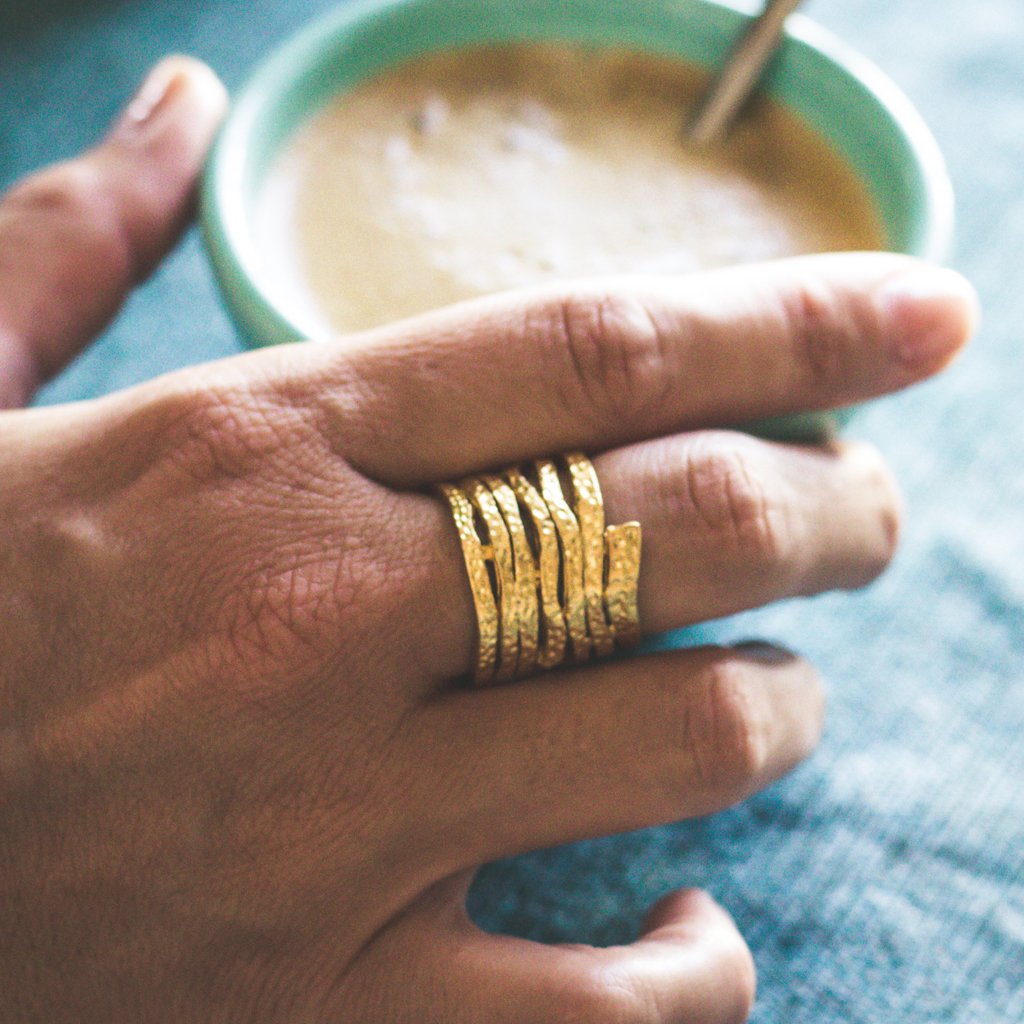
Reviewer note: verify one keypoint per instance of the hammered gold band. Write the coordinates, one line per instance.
(550, 581)
(479, 583)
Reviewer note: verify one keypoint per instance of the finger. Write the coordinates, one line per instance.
(732, 523)
(595, 364)
(609, 748)
(689, 966)
(75, 238)
(729, 523)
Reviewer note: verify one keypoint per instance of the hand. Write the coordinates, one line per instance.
(238, 779)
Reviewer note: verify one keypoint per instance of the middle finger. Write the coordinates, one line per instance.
(729, 523)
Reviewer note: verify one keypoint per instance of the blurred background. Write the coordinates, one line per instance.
(884, 880)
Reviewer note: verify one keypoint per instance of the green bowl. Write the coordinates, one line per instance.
(838, 92)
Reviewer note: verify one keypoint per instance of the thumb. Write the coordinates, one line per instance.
(689, 966)
(76, 237)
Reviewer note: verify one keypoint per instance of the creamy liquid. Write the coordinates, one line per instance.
(490, 168)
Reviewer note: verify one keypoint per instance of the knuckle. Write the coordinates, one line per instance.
(734, 501)
(220, 432)
(68, 189)
(306, 592)
(254, 479)
(225, 431)
(288, 609)
(616, 353)
(726, 730)
(72, 199)
(818, 325)
(877, 480)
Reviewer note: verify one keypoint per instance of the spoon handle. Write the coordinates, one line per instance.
(742, 69)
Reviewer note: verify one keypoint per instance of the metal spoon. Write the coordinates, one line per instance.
(740, 73)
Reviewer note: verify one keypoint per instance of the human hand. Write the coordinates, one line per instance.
(238, 779)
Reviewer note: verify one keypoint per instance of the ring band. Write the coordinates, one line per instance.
(550, 581)
(555, 633)
(623, 574)
(571, 544)
(590, 511)
(479, 584)
(504, 576)
(524, 574)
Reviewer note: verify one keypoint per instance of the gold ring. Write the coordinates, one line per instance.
(551, 582)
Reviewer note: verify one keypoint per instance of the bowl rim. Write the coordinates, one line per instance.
(224, 219)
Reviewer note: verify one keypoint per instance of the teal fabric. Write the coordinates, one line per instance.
(884, 880)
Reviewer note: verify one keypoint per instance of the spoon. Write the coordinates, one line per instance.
(739, 75)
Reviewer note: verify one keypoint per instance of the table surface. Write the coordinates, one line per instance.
(884, 880)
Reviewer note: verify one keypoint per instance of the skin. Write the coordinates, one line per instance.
(240, 779)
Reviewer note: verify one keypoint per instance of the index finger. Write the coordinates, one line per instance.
(595, 364)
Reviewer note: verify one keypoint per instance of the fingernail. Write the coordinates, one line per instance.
(767, 653)
(932, 311)
(157, 92)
